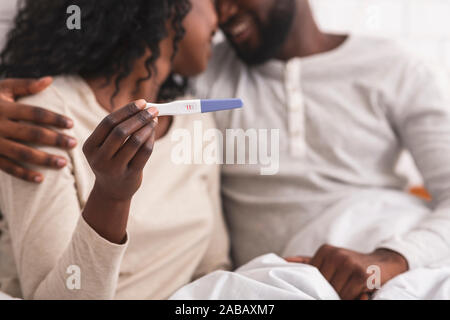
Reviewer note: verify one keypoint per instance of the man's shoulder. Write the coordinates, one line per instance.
(55, 98)
(398, 58)
(382, 50)
(377, 41)
(50, 98)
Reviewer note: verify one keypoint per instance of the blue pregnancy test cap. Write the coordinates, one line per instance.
(221, 104)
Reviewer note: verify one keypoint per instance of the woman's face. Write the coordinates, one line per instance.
(194, 49)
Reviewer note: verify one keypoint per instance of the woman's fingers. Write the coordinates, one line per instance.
(97, 138)
(125, 130)
(135, 142)
(20, 172)
(140, 159)
(21, 153)
(34, 134)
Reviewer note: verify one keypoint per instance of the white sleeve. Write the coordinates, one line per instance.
(51, 241)
(54, 248)
(420, 111)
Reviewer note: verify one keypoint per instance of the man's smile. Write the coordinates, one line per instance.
(239, 29)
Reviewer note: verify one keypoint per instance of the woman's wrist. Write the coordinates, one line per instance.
(110, 195)
(107, 215)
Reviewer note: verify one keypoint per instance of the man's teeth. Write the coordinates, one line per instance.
(241, 27)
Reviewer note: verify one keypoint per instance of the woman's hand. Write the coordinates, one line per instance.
(119, 148)
(117, 152)
(22, 123)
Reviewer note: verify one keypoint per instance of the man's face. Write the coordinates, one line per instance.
(257, 29)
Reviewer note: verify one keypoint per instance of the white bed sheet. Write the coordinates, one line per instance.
(270, 277)
(360, 223)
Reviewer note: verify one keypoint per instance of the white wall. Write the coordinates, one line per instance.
(422, 25)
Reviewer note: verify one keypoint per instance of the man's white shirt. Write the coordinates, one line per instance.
(344, 117)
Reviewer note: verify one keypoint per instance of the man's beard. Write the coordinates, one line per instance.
(273, 34)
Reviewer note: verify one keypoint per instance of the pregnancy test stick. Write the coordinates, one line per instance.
(195, 106)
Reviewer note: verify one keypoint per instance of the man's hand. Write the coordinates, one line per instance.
(346, 270)
(24, 124)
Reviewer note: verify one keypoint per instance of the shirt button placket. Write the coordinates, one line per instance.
(295, 106)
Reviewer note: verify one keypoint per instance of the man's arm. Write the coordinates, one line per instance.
(420, 112)
(421, 116)
(21, 124)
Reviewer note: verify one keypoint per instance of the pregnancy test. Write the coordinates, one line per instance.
(195, 106)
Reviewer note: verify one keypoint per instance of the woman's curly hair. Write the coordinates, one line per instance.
(113, 35)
